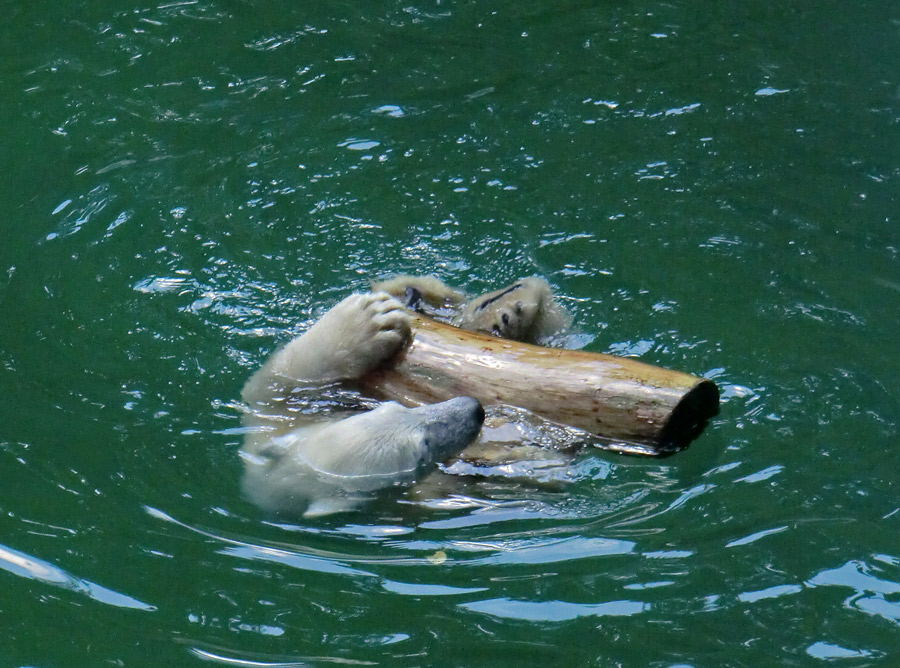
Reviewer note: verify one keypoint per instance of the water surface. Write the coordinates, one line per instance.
(711, 187)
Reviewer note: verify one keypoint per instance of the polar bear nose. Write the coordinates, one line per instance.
(469, 406)
(477, 409)
(449, 426)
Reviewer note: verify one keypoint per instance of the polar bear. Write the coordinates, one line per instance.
(523, 311)
(294, 465)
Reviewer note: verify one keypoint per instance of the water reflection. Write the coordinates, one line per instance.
(292, 559)
(752, 538)
(219, 657)
(828, 652)
(871, 592)
(26, 566)
(770, 592)
(553, 611)
(408, 589)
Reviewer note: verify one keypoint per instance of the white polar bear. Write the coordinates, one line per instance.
(294, 466)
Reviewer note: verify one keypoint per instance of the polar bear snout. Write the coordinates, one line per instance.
(448, 427)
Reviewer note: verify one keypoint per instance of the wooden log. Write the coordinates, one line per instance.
(632, 406)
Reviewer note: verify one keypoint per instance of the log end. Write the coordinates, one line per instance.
(689, 417)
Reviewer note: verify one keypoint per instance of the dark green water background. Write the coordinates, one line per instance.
(711, 186)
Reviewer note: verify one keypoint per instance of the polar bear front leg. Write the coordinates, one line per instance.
(356, 336)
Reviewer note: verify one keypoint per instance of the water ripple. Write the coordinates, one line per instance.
(871, 592)
(553, 611)
(26, 566)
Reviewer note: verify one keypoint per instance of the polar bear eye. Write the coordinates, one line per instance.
(505, 319)
(488, 302)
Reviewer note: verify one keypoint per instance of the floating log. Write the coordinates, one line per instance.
(631, 406)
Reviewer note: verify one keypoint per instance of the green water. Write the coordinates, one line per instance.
(710, 186)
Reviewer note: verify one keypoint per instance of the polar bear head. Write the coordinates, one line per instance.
(523, 311)
(321, 469)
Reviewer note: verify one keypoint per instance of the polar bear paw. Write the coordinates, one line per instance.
(361, 333)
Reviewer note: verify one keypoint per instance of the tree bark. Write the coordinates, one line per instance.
(632, 406)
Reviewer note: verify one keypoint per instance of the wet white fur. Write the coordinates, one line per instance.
(334, 466)
(296, 467)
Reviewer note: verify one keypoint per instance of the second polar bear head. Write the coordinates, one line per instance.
(524, 311)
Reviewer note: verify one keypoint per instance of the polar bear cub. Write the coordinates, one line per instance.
(294, 466)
